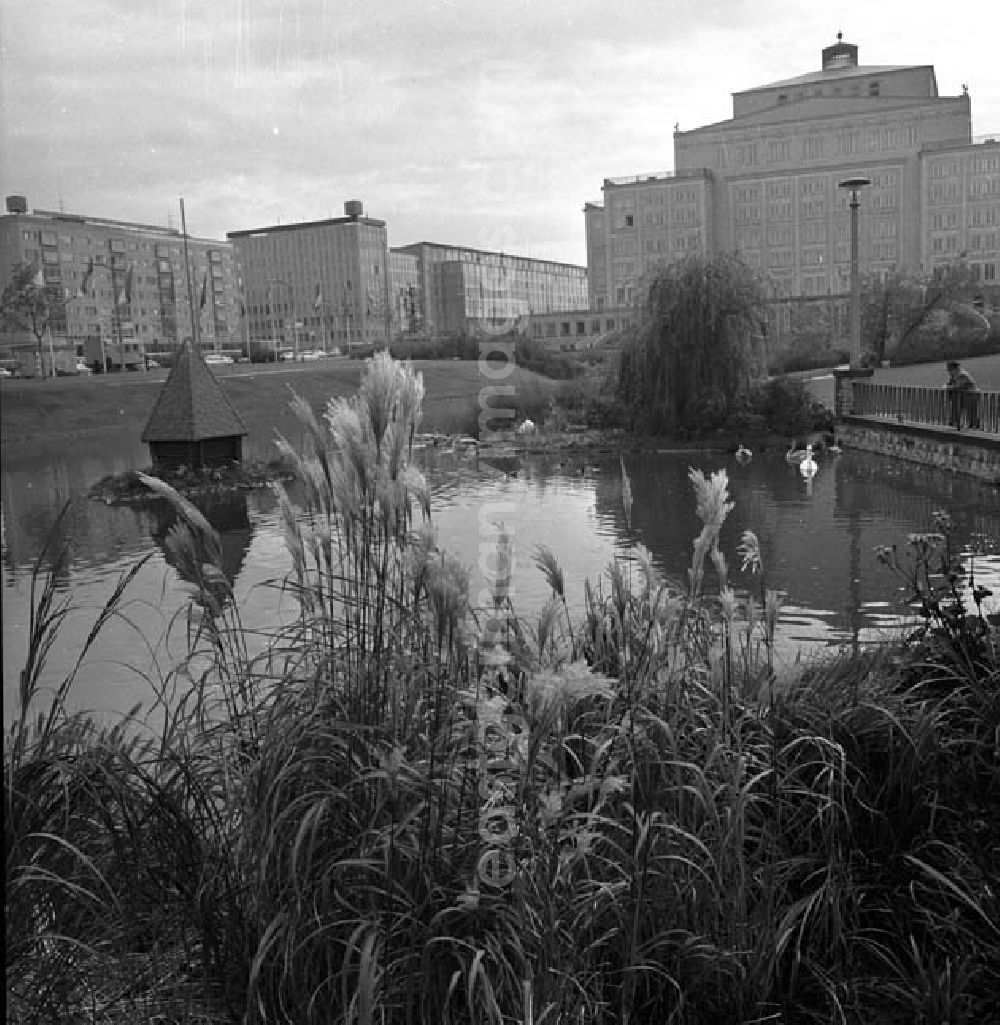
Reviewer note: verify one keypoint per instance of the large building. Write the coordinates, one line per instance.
(316, 284)
(766, 183)
(460, 290)
(120, 289)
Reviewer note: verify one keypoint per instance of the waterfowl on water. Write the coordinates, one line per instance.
(807, 467)
(795, 455)
(743, 455)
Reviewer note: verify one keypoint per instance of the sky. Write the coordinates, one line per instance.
(484, 123)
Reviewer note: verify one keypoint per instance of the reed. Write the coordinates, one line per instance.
(311, 834)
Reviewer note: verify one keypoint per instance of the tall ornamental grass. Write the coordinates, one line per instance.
(623, 818)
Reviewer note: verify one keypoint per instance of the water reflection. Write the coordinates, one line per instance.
(817, 538)
(228, 514)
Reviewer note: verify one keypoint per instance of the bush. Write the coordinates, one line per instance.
(923, 347)
(810, 359)
(787, 407)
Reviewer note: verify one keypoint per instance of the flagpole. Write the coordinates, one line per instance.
(116, 319)
(195, 334)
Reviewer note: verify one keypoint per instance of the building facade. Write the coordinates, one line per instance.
(119, 289)
(765, 183)
(463, 290)
(317, 284)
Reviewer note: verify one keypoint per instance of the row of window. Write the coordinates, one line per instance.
(947, 191)
(120, 246)
(845, 142)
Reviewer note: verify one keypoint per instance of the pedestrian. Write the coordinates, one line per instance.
(963, 398)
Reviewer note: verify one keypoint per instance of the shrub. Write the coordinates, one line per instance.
(810, 359)
(786, 406)
(924, 347)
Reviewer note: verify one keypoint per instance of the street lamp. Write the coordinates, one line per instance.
(855, 185)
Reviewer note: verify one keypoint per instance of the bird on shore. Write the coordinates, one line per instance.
(795, 455)
(808, 466)
(743, 455)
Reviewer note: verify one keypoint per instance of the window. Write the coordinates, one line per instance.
(629, 221)
(873, 88)
(812, 147)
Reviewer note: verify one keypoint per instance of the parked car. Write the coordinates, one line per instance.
(217, 359)
(82, 368)
(4, 372)
(286, 354)
(311, 354)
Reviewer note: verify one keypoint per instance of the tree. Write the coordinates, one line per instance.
(905, 303)
(27, 304)
(699, 346)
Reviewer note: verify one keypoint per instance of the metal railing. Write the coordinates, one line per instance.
(908, 403)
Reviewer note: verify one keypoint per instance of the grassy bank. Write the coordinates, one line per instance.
(39, 410)
(624, 819)
(985, 370)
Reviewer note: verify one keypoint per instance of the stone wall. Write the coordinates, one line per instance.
(942, 449)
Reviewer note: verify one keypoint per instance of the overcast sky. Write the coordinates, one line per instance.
(485, 123)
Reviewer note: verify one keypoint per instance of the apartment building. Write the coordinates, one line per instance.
(120, 289)
(316, 284)
(766, 183)
(462, 290)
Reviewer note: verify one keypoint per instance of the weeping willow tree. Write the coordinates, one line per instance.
(699, 346)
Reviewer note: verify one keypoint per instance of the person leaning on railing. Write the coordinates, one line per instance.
(963, 398)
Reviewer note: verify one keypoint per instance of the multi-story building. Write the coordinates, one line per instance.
(316, 284)
(961, 208)
(120, 290)
(463, 289)
(766, 184)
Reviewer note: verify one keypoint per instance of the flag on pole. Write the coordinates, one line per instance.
(318, 301)
(128, 286)
(87, 275)
(204, 291)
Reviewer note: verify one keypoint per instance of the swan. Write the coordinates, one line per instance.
(794, 455)
(743, 455)
(807, 466)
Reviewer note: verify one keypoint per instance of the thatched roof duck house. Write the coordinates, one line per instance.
(193, 423)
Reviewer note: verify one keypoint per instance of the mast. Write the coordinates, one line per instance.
(195, 326)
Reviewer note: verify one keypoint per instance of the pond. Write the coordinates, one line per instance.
(817, 537)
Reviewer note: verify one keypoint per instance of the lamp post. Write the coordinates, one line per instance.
(855, 185)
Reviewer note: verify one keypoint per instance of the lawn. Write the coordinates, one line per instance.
(984, 369)
(34, 410)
